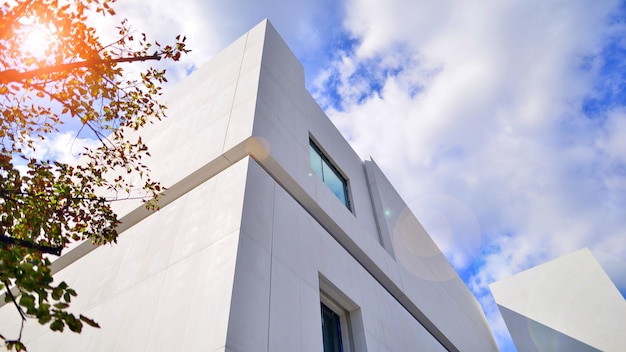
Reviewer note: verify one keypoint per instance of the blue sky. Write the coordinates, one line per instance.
(502, 123)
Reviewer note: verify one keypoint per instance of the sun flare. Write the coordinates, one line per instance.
(37, 38)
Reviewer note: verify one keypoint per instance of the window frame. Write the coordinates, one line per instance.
(313, 145)
(344, 321)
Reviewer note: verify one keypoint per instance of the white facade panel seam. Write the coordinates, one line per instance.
(232, 103)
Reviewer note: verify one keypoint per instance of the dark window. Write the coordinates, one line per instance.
(329, 174)
(331, 330)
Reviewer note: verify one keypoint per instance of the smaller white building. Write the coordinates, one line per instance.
(567, 304)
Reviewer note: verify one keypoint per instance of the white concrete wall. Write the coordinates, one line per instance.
(283, 245)
(234, 258)
(165, 286)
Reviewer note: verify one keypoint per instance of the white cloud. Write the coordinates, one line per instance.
(65, 147)
(500, 123)
(211, 25)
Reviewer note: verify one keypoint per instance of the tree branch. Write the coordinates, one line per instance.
(19, 310)
(14, 75)
(14, 300)
(38, 247)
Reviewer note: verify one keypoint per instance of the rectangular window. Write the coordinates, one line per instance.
(331, 330)
(340, 315)
(321, 165)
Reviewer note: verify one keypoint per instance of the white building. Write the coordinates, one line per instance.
(271, 224)
(567, 304)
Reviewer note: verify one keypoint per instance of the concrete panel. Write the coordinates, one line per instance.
(198, 229)
(285, 313)
(310, 326)
(248, 321)
(288, 232)
(212, 296)
(244, 101)
(258, 209)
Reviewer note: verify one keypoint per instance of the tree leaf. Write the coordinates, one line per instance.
(89, 322)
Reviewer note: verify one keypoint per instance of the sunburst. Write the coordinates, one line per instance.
(36, 38)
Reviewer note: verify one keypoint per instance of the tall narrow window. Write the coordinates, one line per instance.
(322, 166)
(339, 316)
(331, 330)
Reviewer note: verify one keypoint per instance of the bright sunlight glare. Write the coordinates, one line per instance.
(37, 38)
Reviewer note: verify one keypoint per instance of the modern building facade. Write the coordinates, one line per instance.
(273, 234)
(567, 304)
